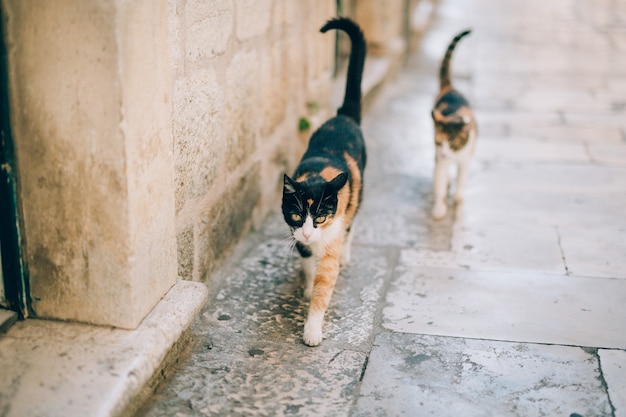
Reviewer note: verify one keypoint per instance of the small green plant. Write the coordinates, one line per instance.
(303, 124)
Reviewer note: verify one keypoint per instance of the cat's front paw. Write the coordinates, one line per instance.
(439, 210)
(312, 334)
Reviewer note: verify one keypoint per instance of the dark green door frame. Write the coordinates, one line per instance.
(14, 270)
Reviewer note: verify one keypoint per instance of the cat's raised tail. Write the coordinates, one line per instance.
(351, 106)
(444, 71)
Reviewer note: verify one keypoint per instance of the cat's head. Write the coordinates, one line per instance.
(451, 130)
(310, 206)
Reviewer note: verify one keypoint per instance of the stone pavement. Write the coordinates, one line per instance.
(513, 305)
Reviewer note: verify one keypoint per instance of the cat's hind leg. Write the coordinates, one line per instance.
(440, 188)
(346, 249)
(461, 181)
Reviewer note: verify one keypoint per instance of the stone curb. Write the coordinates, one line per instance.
(69, 369)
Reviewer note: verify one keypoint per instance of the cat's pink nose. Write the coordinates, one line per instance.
(306, 235)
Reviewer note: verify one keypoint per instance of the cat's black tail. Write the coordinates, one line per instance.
(444, 71)
(352, 100)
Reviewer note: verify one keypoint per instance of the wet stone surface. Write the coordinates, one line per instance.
(512, 305)
(504, 305)
(234, 375)
(412, 375)
(263, 298)
(248, 357)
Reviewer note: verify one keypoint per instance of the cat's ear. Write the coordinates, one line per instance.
(339, 181)
(289, 185)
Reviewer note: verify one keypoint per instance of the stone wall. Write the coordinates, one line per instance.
(152, 135)
(91, 117)
(245, 72)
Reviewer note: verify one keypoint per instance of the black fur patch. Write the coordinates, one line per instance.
(303, 250)
(451, 102)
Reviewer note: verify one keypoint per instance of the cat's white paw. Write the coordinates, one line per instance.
(313, 329)
(312, 334)
(439, 210)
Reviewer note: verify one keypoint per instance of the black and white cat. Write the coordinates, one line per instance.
(321, 198)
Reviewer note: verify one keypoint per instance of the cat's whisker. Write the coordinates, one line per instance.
(289, 243)
(286, 239)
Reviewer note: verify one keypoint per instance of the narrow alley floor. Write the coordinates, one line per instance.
(513, 305)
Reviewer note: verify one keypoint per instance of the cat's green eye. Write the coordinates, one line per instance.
(320, 219)
(296, 217)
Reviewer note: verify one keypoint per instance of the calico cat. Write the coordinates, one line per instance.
(322, 197)
(455, 135)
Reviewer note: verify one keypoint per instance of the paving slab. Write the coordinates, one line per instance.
(614, 155)
(402, 218)
(235, 375)
(613, 365)
(508, 123)
(510, 306)
(507, 244)
(539, 216)
(556, 178)
(409, 375)
(530, 150)
(596, 250)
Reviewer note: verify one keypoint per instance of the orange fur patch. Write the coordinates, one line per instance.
(438, 116)
(352, 201)
(326, 276)
(329, 173)
(443, 91)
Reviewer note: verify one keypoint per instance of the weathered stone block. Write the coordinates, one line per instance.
(253, 18)
(381, 20)
(226, 221)
(274, 89)
(94, 148)
(243, 103)
(199, 134)
(209, 26)
(185, 244)
(428, 375)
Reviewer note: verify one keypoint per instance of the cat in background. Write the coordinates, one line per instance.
(455, 135)
(322, 197)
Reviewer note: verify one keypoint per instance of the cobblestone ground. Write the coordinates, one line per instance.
(514, 304)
